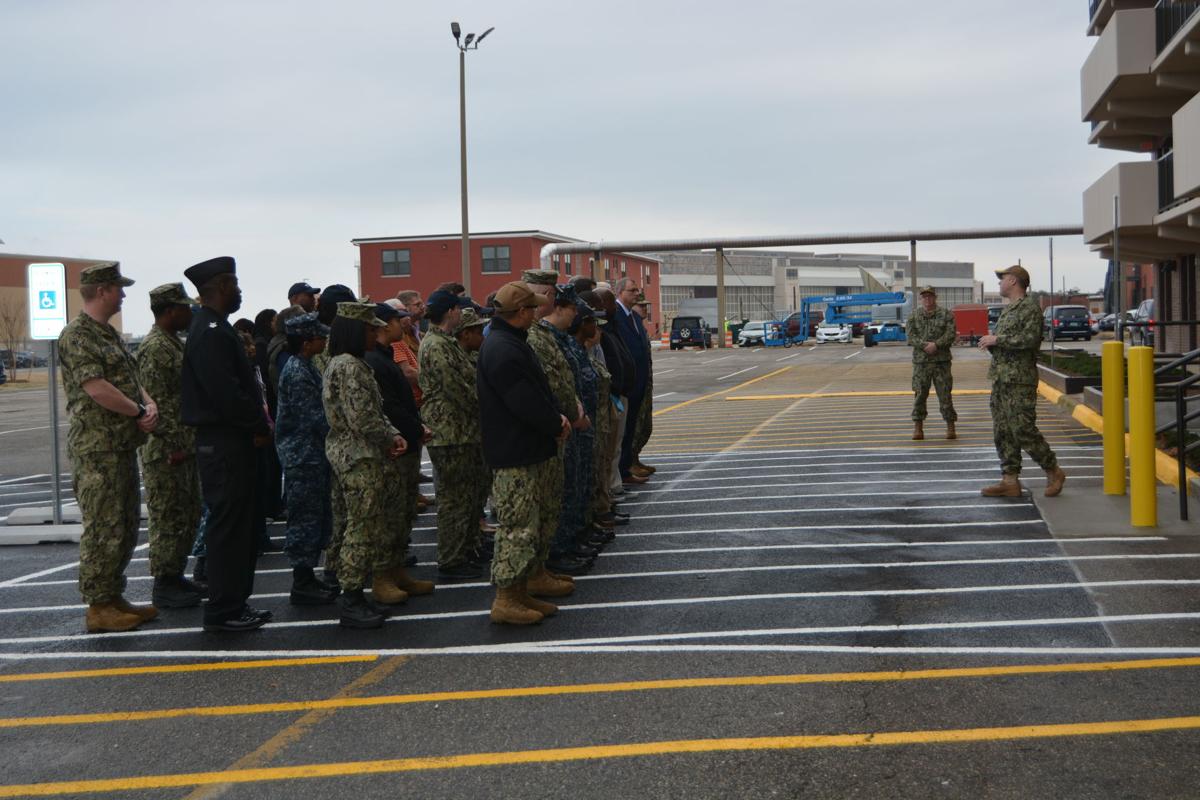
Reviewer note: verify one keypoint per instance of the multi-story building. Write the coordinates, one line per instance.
(1140, 90)
(392, 264)
(761, 284)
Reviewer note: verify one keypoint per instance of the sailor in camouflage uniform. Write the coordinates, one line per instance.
(558, 371)
(300, 431)
(451, 411)
(360, 440)
(1013, 373)
(930, 333)
(169, 454)
(109, 414)
(522, 431)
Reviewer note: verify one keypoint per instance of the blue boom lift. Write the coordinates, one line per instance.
(794, 329)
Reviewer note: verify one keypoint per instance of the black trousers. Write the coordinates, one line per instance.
(225, 457)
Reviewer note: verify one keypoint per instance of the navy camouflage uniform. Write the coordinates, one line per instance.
(578, 454)
(300, 431)
(1014, 377)
(935, 326)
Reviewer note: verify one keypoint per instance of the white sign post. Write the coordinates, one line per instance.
(47, 318)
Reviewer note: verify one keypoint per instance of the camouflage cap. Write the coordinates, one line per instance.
(1015, 269)
(470, 319)
(540, 277)
(306, 326)
(170, 294)
(103, 274)
(363, 312)
(926, 290)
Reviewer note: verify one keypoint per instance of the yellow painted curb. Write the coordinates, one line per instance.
(808, 395)
(1166, 467)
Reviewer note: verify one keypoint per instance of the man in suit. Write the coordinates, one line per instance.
(633, 335)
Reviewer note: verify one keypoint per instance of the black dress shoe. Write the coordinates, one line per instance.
(200, 571)
(461, 572)
(411, 561)
(596, 541)
(261, 613)
(583, 551)
(307, 590)
(568, 566)
(176, 592)
(424, 478)
(248, 621)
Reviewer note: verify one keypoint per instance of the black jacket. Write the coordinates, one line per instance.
(619, 361)
(398, 404)
(519, 419)
(217, 388)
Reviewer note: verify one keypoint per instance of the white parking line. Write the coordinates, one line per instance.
(852, 355)
(710, 500)
(60, 568)
(793, 355)
(876, 472)
(665, 394)
(882, 545)
(739, 372)
(831, 509)
(22, 478)
(922, 461)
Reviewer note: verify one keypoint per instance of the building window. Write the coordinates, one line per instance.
(792, 273)
(567, 259)
(646, 273)
(495, 259)
(397, 263)
(622, 269)
(607, 271)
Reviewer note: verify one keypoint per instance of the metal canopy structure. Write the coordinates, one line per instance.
(722, 243)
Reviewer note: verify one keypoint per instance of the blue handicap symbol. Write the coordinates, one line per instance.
(48, 300)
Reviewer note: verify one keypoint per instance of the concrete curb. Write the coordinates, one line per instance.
(39, 534)
(1166, 467)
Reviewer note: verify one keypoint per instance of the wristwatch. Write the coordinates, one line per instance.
(141, 411)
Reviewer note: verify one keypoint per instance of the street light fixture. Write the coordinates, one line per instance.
(471, 42)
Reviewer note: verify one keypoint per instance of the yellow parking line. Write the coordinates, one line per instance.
(723, 391)
(597, 688)
(565, 754)
(170, 668)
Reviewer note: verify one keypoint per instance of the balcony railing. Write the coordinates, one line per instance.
(1166, 180)
(1092, 6)
(1172, 16)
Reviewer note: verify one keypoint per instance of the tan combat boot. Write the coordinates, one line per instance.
(145, 613)
(918, 431)
(543, 584)
(1055, 479)
(649, 469)
(409, 585)
(951, 433)
(108, 618)
(508, 608)
(384, 590)
(540, 606)
(1008, 486)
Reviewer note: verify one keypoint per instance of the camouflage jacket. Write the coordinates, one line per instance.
(88, 350)
(160, 365)
(447, 378)
(321, 361)
(935, 326)
(1018, 338)
(300, 424)
(358, 430)
(562, 379)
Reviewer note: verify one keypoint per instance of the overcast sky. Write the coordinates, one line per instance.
(163, 133)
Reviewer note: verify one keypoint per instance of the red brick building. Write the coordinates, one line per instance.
(392, 264)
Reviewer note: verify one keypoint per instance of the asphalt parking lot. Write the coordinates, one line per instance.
(806, 604)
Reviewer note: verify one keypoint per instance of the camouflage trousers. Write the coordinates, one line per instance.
(463, 485)
(106, 488)
(527, 501)
(645, 422)
(607, 451)
(307, 496)
(577, 486)
(598, 499)
(937, 373)
(173, 505)
(366, 541)
(1014, 424)
(401, 478)
(337, 504)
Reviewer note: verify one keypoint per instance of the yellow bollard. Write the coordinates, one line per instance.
(1143, 488)
(1113, 390)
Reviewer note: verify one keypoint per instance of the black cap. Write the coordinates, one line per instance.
(384, 312)
(205, 271)
(441, 301)
(302, 287)
(565, 294)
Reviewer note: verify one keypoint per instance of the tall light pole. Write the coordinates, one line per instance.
(471, 42)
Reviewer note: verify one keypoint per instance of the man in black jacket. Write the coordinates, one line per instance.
(220, 398)
(621, 365)
(392, 584)
(521, 428)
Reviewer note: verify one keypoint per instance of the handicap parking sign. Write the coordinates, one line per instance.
(47, 300)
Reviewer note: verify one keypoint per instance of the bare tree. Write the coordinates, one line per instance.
(12, 328)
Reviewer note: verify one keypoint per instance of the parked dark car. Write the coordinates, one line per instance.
(1107, 322)
(690, 332)
(1067, 322)
(1139, 333)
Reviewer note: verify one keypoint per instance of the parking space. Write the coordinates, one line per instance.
(806, 603)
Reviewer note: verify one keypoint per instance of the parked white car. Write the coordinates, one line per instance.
(828, 332)
(752, 334)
